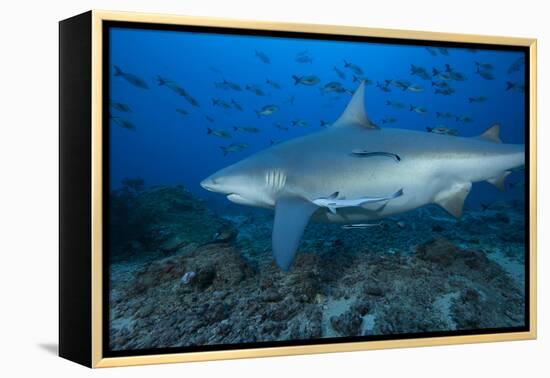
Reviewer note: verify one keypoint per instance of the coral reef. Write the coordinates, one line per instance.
(161, 220)
(204, 283)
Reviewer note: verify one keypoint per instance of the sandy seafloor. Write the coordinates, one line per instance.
(188, 276)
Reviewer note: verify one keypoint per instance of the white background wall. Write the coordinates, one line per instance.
(28, 186)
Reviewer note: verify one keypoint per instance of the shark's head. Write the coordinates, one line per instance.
(244, 183)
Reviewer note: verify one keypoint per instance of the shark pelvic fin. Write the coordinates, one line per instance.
(291, 217)
(452, 200)
(492, 134)
(498, 181)
(355, 114)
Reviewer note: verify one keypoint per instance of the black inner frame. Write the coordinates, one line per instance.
(107, 25)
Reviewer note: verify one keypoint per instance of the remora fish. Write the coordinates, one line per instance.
(360, 226)
(288, 177)
(363, 153)
(333, 202)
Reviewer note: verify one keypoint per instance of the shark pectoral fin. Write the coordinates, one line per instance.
(291, 217)
(452, 200)
(332, 209)
(498, 181)
(355, 114)
(492, 134)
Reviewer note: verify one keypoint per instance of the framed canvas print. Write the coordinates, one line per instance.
(234, 189)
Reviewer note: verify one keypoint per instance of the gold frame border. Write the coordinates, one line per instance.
(97, 357)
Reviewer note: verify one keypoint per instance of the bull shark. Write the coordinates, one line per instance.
(433, 169)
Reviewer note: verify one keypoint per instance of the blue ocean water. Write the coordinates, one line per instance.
(189, 268)
(168, 147)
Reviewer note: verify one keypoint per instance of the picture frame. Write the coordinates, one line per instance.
(84, 103)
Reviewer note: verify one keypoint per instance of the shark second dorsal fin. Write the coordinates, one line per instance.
(492, 134)
(355, 114)
(452, 200)
(291, 218)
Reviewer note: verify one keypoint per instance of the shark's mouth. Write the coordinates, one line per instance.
(234, 197)
(238, 199)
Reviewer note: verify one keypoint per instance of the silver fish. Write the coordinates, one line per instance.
(120, 106)
(515, 87)
(131, 78)
(233, 147)
(354, 68)
(262, 56)
(267, 110)
(517, 65)
(219, 133)
(273, 84)
(124, 123)
(248, 129)
(418, 109)
(306, 80)
(478, 99)
(341, 74)
(236, 105)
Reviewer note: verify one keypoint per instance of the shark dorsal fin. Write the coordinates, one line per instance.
(492, 134)
(355, 114)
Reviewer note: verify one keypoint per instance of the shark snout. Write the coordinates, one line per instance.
(209, 184)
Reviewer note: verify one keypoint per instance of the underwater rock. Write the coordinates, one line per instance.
(437, 228)
(162, 219)
(502, 217)
(347, 324)
(440, 251)
(373, 289)
(349, 284)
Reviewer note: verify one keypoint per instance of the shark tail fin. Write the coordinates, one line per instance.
(499, 180)
(492, 134)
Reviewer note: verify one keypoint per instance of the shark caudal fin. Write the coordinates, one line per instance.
(452, 199)
(291, 218)
(355, 114)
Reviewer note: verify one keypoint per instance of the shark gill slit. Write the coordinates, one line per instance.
(275, 179)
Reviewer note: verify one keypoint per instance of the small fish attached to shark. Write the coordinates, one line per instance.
(334, 202)
(294, 177)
